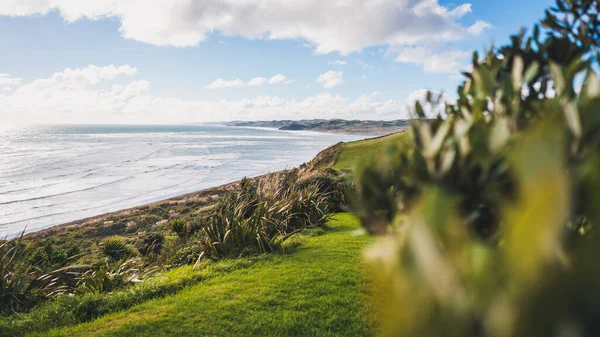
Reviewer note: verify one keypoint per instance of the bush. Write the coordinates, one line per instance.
(180, 227)
(330, 185)
(108, 277)
(151, 244)
(115, 249)
(23, 284)
(250, 222)
(185, 256)
(490, 220)
(48, 256)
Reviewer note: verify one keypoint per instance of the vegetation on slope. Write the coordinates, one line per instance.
(316, 290)
(126, 259)
(256, 217)
(367, 152)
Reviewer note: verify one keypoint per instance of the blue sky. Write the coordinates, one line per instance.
(361, 59)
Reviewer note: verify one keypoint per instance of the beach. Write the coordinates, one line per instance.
(59, 174)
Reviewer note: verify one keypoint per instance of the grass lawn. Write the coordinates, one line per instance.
(364, 151)
(318, 290)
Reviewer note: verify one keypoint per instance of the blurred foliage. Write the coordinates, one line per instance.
(489, 221)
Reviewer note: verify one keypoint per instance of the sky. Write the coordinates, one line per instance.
(193, 61)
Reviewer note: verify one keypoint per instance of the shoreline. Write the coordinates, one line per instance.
(200, 196)
(354, 127)
(179, 199)
(346, 132)
(204, 193)
(82, 211)
(367, 134)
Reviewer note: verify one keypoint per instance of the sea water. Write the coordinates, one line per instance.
(51, 175)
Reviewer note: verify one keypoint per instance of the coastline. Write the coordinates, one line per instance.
(213, 171)
(197, 196)
(179, 199)
(203, 197)
(356, 128)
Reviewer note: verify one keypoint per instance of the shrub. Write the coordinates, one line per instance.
(23, 284)
(489, 221)
(196, 224)
(115, 249)
(49, 256)
(108, 277)
(147, 221)
(185, 256)
(330, 185)
(180, 227)
(251, 223)
(151, 244)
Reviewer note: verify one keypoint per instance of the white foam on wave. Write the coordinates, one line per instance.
(58, 175)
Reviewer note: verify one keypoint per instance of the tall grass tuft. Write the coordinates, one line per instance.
(115, 248)
(22, 284)
(259, 219)
(111, 276)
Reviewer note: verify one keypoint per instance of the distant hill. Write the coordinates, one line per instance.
(361, 127)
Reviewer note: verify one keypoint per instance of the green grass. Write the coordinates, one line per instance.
(365, 151)
(318, 290)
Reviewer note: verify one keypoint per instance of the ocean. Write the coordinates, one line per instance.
(51, 175)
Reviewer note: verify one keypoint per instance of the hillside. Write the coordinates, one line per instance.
(313, 286)
(370, 150)
(151, 216)
(359, 127)
(317, 290)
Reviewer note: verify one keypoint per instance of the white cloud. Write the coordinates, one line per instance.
(6, 80)
(338, 62)
(478, 27)
(221, 83)
(461, 11)
(331, 78)
(256, 81)
(81, 77)
(328, 25)
(364, 65)
(449, 62)
(70, 97)
(279, 79)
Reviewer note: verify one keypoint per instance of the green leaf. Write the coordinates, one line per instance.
(517, 71)
(419, 110)
(572, 117)
(499, 134)
(438, 139)
(558, 78)
(591, 85)
(531, 72)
